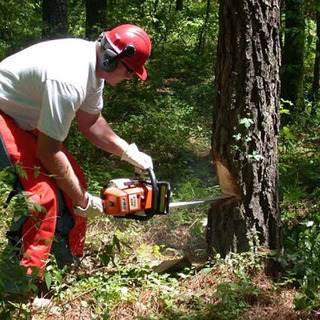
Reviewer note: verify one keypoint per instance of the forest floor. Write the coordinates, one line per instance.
(188, 294)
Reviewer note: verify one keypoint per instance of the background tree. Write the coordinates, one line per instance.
(316, 72)
(96, 17)
(293, 53)
(179, 5)
(55, 20)
(204, 26)
(246, 124)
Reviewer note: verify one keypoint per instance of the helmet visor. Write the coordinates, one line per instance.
(140, 71)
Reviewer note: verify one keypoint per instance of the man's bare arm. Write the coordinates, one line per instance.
(56, 163)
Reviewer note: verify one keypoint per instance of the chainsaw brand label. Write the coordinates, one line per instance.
(124, 206)
(133, 202)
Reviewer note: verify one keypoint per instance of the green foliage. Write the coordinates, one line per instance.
(20, 25)
(192, 189)
(302, 259)
(300, 178)
(299, 159)
(234, 299)
(76, 18)
(109, 251)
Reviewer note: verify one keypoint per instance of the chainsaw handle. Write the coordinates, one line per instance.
(155, 190)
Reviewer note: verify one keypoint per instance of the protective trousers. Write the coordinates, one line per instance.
(50, 211)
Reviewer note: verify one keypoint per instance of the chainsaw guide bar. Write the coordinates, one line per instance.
(196, 202)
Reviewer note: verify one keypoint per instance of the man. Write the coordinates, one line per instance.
(42, 89)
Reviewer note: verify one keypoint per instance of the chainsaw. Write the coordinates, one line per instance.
(141, 199)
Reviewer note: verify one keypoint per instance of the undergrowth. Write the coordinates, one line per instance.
(300, 177)
(117, 280)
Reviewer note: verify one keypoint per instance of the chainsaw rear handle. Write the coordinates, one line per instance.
(155, 189)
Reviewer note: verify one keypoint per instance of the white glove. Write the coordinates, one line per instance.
(136, 158)
(94, 207)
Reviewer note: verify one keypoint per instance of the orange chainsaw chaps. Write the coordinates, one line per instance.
(123, 201)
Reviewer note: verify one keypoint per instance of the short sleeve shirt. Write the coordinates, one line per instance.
(44, 85)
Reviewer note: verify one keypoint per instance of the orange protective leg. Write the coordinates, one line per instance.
(38, 230)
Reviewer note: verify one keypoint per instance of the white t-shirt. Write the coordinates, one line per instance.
(44, 85)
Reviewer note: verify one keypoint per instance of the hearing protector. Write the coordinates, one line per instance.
(110, 58)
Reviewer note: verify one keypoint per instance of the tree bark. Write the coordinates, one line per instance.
(96, 17)
(179, 5)
(293, 54)
(246, 125)
(55, 20)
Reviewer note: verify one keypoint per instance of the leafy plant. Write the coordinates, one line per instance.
(233, 299)
(109, 252)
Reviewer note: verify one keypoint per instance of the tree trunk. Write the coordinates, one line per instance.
(55, 21)
(246, 124)
(315, 84)
(96, 18)
(203, 27)
(179, 5)
(293, 54)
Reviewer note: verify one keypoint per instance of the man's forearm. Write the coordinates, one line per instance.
(57, 164)
(60, 168)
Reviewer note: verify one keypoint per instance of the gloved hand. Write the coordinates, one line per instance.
(94, 207)
(136, 158)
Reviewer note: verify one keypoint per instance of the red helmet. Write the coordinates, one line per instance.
(129, 34)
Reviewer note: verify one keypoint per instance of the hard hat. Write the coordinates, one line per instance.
(130, 35)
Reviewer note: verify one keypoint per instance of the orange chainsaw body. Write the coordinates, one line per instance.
(125, 197)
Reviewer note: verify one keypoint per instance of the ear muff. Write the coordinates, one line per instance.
(110, 58)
